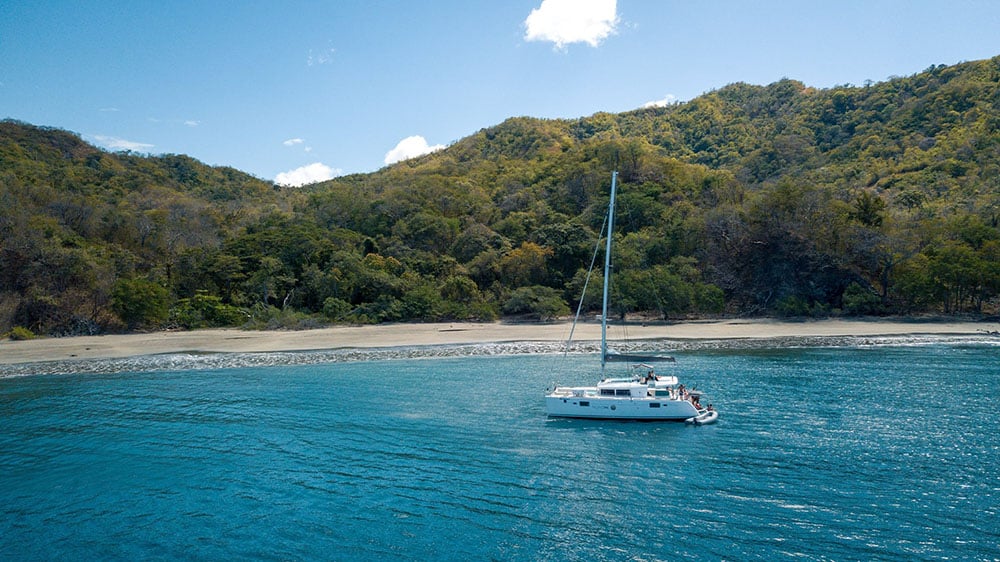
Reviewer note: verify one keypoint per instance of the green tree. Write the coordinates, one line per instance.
(422, 302)
(868, 209)
(140, 302)
(525, 265)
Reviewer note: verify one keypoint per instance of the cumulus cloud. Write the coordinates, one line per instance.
(115, 143)
(410, 147)
(572, 21)
(670, 99)
(312, 173)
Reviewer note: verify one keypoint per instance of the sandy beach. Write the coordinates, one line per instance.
(395, 335)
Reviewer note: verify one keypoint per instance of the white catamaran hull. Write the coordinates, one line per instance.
(598, 408)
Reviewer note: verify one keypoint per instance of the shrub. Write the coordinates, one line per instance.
(792, 305)
(542, 303)
(709, 298)
(336, 309)
(859, 300)
(273, 318)
(19, 333)
(207, 311)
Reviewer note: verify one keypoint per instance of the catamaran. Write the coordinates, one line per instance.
(643, 395)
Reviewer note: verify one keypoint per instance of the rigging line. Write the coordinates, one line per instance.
(586, 282)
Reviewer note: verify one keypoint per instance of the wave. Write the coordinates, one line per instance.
(203, 361)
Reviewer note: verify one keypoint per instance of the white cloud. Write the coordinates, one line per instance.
(410, 147)
(320, 57)
(670, 99)
(315, 172)
(192, 123)
(115, 143)
(572, 21)
(297, 142)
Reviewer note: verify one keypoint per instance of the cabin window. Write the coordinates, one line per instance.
(654, 404)
(607, 392)
(584, 403)
(622, 392)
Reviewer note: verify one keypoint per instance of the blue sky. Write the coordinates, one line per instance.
(302, 90)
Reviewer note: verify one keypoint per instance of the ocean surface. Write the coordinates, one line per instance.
(886, 450)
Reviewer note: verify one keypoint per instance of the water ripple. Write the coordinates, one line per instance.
(865, 452)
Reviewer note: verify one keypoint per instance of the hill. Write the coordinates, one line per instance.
(778, 199)
(76, 221)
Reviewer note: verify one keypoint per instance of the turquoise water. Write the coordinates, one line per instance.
(886, 452)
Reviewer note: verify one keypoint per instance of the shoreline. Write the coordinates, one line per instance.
(80, 349)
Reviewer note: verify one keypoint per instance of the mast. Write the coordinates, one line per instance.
(607, 274)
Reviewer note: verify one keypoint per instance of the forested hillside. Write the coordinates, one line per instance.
(779, 199)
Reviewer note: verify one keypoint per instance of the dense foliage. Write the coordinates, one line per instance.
(779, 199)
